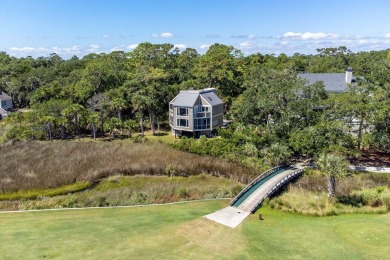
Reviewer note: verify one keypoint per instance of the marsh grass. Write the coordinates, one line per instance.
(135, 190)
(33, 194)
(356, 193)
(44, 165)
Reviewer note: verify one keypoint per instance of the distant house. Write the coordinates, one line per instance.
(5, 104)
(196, 112)
(334, 82)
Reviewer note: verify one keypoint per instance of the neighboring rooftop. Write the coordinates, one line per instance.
(4, 96)
(334, 82)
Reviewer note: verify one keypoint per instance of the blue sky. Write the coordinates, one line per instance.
(79, 27)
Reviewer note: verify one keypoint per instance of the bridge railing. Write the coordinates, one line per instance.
(255, 181)
(277, 187)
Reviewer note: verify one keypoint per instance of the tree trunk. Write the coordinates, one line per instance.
(94, 132)
(120, 119)
(359, 137)
(142, 125)
(77, 125)
(331, 186)
(62, 131)
(49, 131)
(102, 123)
(151, 119)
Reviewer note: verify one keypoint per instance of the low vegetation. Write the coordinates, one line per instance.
(133, 190)
(43, 165)
(179, 231)
(356, 193)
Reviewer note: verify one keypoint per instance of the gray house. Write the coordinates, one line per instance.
(5, 104)
(334, 82)
(195, 112)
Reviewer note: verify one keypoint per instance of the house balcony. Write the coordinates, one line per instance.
(202, 115)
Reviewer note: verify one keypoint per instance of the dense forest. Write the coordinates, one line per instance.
(271, 108)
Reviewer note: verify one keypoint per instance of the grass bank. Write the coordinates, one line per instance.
(356, 193)
(127, 190)
(180, 232)
(45, 165)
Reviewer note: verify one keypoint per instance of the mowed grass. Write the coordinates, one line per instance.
(179, 232)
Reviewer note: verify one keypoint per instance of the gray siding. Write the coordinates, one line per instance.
(217, 121)
(218, 109)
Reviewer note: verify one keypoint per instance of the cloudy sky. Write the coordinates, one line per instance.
(78, 27)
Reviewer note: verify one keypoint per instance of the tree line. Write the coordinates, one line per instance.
(126, 92)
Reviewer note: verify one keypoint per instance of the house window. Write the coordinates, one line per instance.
(200, 124)
(182, 122)
(182, 111)
(3, 103)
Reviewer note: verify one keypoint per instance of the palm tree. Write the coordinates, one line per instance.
(139, 104)
(74, 111)
(278, 154)
(130, 125)
(334, 166)
(93, 120)
(113, 123)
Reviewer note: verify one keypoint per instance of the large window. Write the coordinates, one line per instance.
(200, 124)
(3, 103)
(182, 122)
(182, 111)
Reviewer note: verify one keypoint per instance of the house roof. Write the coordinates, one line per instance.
(185, 99)
(4, 96)
(188, 98)
(334, 82)
(211, 98)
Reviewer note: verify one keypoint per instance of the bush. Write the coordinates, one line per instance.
(235, 190)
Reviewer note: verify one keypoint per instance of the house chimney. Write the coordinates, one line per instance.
(348, 75)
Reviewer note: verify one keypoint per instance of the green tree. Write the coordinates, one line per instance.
(333, 166)
(277, 154)
(130, 125)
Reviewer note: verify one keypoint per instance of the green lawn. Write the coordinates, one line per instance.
(179, 231)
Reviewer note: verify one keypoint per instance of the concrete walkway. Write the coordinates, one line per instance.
(378, 169)
(230, 216)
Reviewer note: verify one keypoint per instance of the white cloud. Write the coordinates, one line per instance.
(93, 48)
(309, 36)
(163, 35)
(247, 45)
(22, 49)
(386, 36)
(105, 36)
(180, 46)
(132, 46)
(204, 46)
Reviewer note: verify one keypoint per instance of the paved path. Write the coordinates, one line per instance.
(233, 216)
(369, 169)
(230, 216)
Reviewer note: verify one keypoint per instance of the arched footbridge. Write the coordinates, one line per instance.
(251, 197)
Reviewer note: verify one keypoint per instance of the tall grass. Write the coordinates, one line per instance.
(133, 190)
(43, 165)
(356, 193)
